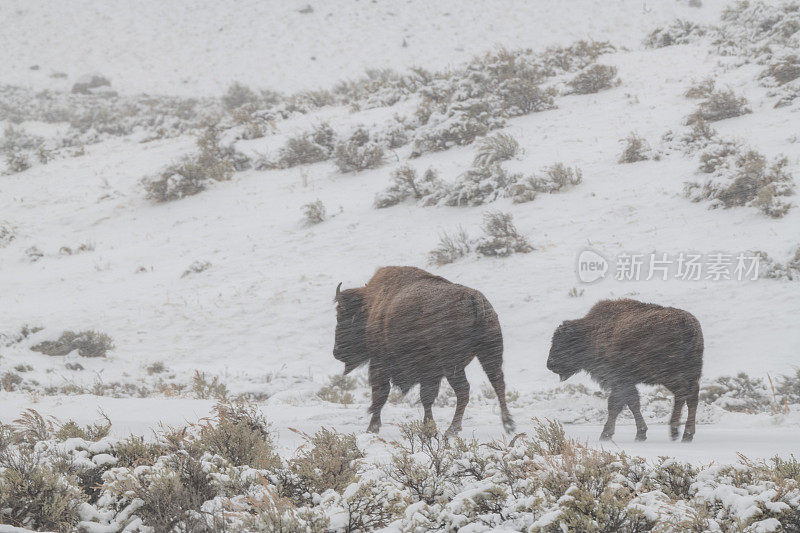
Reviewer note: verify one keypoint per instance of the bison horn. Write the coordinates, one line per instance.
(338, 289)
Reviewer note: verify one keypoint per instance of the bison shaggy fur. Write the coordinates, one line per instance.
(413, 327)
(621, 343)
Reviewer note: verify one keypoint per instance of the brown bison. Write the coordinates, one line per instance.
(414, 327)
(624, 342)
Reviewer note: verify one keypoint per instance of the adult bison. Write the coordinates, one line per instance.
(414, 327)
(624, 342)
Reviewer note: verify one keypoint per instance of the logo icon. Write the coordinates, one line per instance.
(591, 266)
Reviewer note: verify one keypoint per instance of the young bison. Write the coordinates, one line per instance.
(624, 342)
(414, 327)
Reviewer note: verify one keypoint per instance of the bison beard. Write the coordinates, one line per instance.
(621, 343)
(413, 327)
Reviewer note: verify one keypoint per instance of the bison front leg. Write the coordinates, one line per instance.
(461, 387)
(428, 391)
(380, 393)
(616, 403)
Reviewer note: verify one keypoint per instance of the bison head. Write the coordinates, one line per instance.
(351, 323)
(569, 350)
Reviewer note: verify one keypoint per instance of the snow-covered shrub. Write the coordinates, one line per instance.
(196, 268)
(757, 29)
(314, 213)
(479, 185)
(719, 105)
(636, 149)
(737, 393)
(18, 148)
(327, 460)
(771, 269)
(310, 147)
(92, 84)
(238, 95)
(742, 177)
(407, 184)
(89, 343)
(10, 380)
(495, 149)
(92, 432)
(463, 104)
(788, 387)
(783, 70)
(698, 136)
(609, 511)
(267, 511)
(451, 248)
(458, 125)
(166, 495)
(421, 463)
(671, 477)
(194, 174)
(501, 236)
(204, 388)
(7, 233)
(522, 96)
(421, 482)
(371, 505)
(594, 79)
(37, 495)
(240, 434)
(338, 390)
(17, 161)
(677, 32)
(550, 438)
(701, 89)
(555, 178)
(357, 155)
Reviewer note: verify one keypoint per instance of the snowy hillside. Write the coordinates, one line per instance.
(230, 291)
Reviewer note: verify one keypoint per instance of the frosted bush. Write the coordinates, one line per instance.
(310, 147)
(238, 95)
(594, 79)
(314, 213)
(678, 32)
(88, 343)
(407, 184)
(63, 477)
(451, 248)
(496, 149)
(194, 174)
(501, 236)
(719, 105)
(636, 149)
(742, 177)
(355, 156)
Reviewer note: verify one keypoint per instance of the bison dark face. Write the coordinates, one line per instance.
(350, 343)
(568, 351)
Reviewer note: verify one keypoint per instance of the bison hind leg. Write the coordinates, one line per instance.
(461, 387)
(692, 398)
(675, 419)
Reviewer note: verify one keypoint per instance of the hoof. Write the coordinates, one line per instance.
(641, 436)
(452, 431)
(606, 436)
(688, 437)
(673, 433)
(509, 426)
(374, 428)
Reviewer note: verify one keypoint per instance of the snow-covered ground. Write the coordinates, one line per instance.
(261, 316)
(199, 48)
